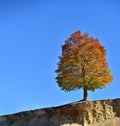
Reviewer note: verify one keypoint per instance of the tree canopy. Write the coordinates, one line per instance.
(82, 64)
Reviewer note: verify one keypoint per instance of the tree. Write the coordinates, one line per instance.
(82, 64)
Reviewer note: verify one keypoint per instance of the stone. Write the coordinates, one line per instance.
(82, 113)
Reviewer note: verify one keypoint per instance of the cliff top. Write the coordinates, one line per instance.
(79, 113)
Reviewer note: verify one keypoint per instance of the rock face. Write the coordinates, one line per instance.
(90, 113)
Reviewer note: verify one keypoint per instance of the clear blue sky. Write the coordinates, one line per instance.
(31, 35)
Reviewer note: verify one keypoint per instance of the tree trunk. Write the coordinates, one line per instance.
(85, 94)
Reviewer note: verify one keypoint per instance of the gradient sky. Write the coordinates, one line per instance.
(31, 35)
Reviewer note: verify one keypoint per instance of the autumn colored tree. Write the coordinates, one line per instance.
(82, 64)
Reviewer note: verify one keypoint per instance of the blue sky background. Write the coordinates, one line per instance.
(31, 35)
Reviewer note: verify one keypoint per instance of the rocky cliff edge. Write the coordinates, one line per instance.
(83, 113)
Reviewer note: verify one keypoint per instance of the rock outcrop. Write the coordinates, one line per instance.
(83, 113)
